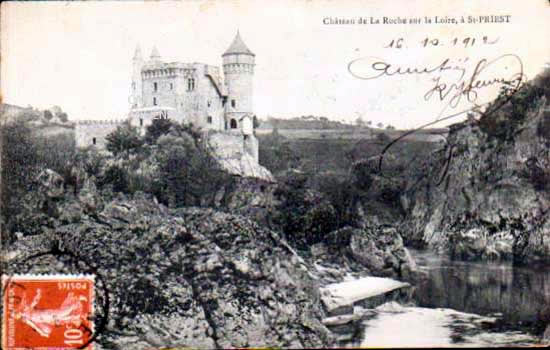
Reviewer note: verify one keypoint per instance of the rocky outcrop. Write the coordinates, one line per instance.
(246, 166)
(482, 198)
(181, 277)
(378, 251)
(546, 336)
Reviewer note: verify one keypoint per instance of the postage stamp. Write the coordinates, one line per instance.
(47, 312)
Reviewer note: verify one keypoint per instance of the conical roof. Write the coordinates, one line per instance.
(238, 46)
(137, 53)
(155, 54)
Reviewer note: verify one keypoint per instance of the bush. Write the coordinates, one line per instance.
(116, 176)
(19, 161)
(504, 122)
(157, 128)
(24, 155)
(304, 216)
(124, 140)
(189, 174)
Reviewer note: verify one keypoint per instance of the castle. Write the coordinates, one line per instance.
(190, 92)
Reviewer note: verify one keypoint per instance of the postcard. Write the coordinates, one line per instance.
(290, 174)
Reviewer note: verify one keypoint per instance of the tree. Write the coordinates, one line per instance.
(189, 174)
(19, 161)
(255, 122)
(125, 139)
(369, 123)
(359, 122)
(383, 138)
(156, 129)
(380, 125)
(63, 117)
(48, 115)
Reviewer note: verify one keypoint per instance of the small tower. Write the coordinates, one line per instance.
(136, 87)
(155, 56)
(238, 68)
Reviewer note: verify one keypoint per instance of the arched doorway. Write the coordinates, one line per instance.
(233, 124)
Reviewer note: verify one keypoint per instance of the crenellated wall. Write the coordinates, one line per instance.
(93, 132)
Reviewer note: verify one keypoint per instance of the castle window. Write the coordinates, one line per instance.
(233, 103)
(190, 84)
(140, 121)
(209, 103)
(154, 101)
(209, 120)
(171, 86)
(155, 86)
(233, 124)
(93, 141)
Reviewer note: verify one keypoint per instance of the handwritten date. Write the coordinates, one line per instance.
(465, 42)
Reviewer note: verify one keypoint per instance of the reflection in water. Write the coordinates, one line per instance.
(483, 288)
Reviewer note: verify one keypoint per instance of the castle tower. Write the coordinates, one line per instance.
(155, 56)
(136, 87)
(238, 68)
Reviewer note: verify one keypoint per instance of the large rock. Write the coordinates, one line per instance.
(190, 277)
(50, 184)
(481, 198)
(546, 335)
(378, 249)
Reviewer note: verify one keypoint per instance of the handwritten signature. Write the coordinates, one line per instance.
(465, 85)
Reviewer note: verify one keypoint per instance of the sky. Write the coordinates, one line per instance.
(78, 54)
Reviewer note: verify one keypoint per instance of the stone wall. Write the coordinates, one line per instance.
(202, 105)
(93, 132)
(227, 145)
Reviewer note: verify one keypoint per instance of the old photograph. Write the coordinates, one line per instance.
(291, 174)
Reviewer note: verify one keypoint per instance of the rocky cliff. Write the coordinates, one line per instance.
(174, 277)
(485, 197)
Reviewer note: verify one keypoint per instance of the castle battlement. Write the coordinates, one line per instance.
(106, 122)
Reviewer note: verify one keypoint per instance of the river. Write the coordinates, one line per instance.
(464, 304)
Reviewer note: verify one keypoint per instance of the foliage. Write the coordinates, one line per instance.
(125, 139)
(48, 115)
(504, 123)
(19, 160)
(543, 128)
(63, 117)
(23, 155)
(189, 174)
(157, 128)
(256, 122)
(116, 176)
(56, 152)
(383, 138)
(276, 154)
(304, 217)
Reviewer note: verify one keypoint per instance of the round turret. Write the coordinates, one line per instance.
(238, 68)
(135, 89)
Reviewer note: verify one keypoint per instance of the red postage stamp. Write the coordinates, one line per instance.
(47, 312)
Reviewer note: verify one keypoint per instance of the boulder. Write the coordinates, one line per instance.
(50, 184)
(189, 277)
(89, 198)
(546, 335)
(376, 249)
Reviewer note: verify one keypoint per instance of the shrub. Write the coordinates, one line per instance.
(304, 216)
(19, 161)
(156, 129)
(117, 176)
(189, 174)
(503, 123)
(124, 140)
